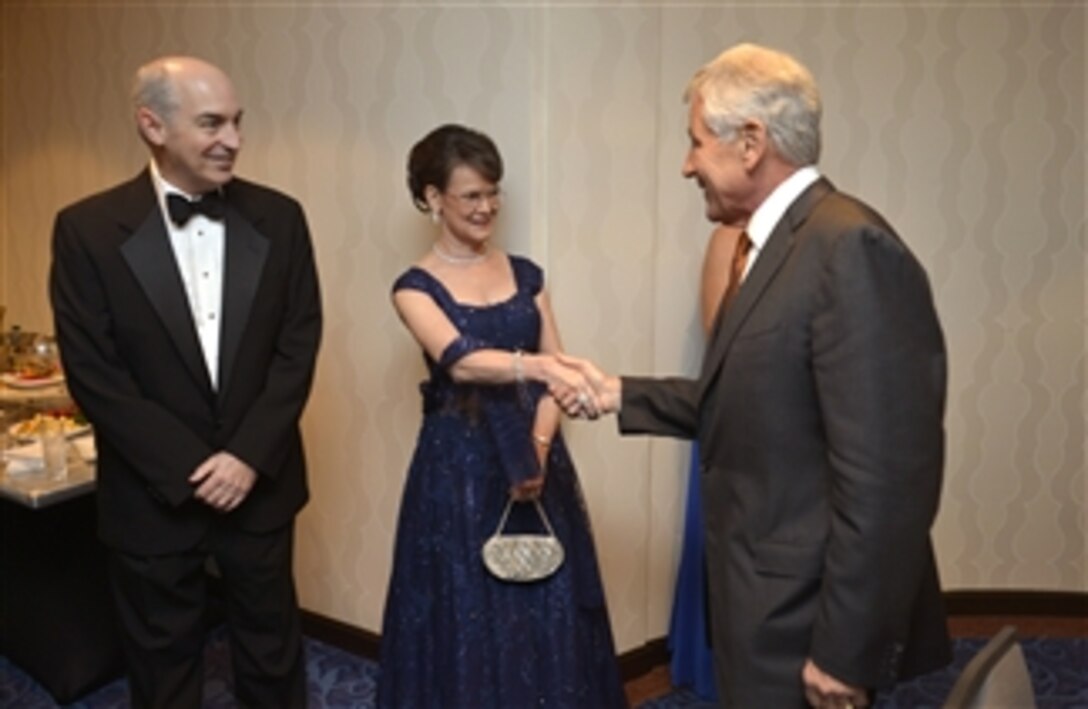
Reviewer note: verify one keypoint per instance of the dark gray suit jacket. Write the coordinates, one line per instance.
(819, 415)
(134, 363)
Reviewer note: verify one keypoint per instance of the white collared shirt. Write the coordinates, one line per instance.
(198, 252)
(770, 212)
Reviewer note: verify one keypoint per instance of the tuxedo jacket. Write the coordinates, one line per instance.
(134, 365)
(819, 415)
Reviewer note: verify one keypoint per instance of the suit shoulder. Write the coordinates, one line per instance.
(841, 217)
(847, 228)
(848, 212)
(102, 204)
(263, 196)
(264, 205)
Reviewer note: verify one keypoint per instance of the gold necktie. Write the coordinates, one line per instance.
(736, 269)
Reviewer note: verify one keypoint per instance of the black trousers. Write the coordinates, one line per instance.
(162, 604)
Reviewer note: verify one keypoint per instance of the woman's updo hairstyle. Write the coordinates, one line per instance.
(434, 158)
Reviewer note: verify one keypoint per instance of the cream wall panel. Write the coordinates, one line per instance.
(601, 170)
(963, 125)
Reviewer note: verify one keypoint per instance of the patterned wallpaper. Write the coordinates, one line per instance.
(964, 123)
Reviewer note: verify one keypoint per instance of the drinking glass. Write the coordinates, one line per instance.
(54, 448)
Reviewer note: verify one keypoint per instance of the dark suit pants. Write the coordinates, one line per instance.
(162, 606)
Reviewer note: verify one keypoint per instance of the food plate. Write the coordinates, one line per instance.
(23, 460)
(27, 430)
(29, 452)
(16, 381)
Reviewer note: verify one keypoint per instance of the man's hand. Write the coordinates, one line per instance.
(825, 692)
(606, 394)
(223, 481)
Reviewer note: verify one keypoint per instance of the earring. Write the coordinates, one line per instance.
(436, 217)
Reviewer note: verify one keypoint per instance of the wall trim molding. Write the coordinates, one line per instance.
(637, 662)
(1016, 602)
(339, 634)
(640, 660)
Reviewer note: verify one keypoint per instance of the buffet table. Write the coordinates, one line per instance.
(56, 613)
(36, 491)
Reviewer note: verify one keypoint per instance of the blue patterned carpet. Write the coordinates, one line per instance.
(1059, 672)
(1059, 675)
(335, 678)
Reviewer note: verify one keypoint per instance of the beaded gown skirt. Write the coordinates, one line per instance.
(452, 634)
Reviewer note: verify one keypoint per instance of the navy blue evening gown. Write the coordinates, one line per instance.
(453, 635)
(692, 663)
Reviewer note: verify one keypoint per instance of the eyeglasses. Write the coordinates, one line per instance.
(475, 200)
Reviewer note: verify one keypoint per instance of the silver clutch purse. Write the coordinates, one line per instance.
(523, 557)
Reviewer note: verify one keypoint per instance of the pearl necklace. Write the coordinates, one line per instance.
(458, 260)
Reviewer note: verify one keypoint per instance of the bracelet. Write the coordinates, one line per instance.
(519, 370)
(542, 440)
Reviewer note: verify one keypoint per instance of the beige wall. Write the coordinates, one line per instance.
(964, 126)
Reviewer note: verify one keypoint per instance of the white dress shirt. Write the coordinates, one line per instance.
(198, 252)
(769, 213)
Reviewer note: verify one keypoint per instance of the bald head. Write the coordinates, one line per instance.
(157, 83)
(189, 117)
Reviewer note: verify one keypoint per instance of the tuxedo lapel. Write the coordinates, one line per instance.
(148, 254)
(245, 252)
(763, 272)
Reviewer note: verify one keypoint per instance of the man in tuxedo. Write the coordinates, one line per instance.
(188, 315)
(818, 411)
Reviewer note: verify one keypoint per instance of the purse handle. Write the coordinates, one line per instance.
(539, 511)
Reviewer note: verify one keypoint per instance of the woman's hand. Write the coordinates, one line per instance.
(603, 395)
(569, 387)
(528, 489)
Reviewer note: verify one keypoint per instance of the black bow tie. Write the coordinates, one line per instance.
(182, 209)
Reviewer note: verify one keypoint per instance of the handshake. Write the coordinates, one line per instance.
(580, 388)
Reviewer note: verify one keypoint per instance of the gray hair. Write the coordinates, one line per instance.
(753, 82)
(153, 88)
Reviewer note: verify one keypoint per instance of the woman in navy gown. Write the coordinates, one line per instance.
(452, 634)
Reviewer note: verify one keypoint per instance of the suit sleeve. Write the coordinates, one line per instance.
(879, 368)
(271, 421)
(664, 407)
(155, 443)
